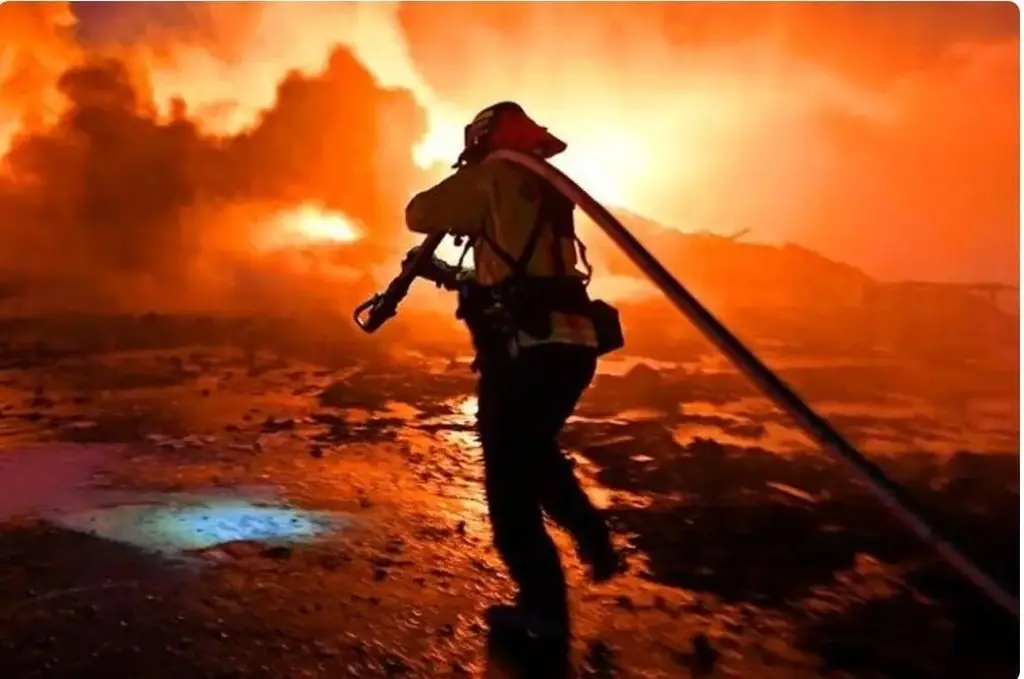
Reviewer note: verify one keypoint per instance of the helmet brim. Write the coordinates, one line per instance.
(549, 145)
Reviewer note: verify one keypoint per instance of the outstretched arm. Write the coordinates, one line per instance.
(459, 205)
(437, 271)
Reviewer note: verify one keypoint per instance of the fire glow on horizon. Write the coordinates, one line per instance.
(306, 225)
(803, 124)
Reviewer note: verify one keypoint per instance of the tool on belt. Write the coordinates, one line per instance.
(495, 313)
(519, 303)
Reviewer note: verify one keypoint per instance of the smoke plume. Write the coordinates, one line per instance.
(117, 199)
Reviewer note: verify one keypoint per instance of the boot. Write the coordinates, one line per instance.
(603, 561)
(517, 620)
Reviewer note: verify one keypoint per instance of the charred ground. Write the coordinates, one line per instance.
(740, 532)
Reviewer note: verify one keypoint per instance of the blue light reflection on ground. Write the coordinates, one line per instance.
(176, 523)
(59, 484)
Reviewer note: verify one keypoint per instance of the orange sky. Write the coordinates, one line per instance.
(882, 135)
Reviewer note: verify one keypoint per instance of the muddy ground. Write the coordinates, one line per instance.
(201, 498)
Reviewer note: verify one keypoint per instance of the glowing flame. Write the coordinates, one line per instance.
(608, 157)
(467, 406)
(307, 225)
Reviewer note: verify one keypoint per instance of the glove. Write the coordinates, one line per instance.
(437, 271)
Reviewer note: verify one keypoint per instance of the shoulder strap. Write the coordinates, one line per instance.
(497, 249)
(545, 219)
(558, 214)
(517, 266)
(557, 259)
(587, 268)
(465, 251)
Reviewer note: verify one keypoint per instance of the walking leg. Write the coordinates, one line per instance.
(513, 503)
(557, 376)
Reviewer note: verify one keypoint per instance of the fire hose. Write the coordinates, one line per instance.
(381, 307)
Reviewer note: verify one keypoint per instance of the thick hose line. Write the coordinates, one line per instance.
(891, 495)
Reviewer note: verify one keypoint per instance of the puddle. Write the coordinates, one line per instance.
(457, 426)
(603, 496)
(466, 407)
(62, 485)
(639, 415)
(622, 365)
(170, 524)
(401, 410)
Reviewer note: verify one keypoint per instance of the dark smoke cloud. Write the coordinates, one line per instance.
(109, 193)
(328, 138)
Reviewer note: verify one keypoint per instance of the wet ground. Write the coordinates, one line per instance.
(174, 505)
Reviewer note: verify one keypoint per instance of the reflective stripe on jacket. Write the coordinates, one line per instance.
(501, 202)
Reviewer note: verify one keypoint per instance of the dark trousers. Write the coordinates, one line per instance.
(523, 403)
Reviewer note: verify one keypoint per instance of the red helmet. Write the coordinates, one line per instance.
(505, 125)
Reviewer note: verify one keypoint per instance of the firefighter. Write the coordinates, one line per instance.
(526, 307)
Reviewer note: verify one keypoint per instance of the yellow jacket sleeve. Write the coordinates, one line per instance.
(459, 204)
